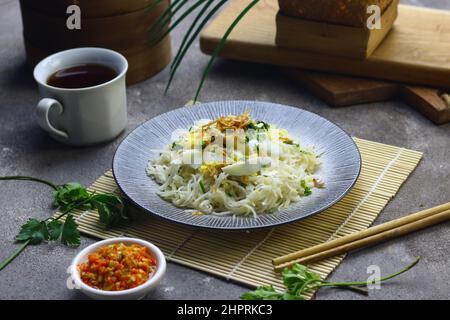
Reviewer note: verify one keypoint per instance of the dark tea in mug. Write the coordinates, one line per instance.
(82, 76)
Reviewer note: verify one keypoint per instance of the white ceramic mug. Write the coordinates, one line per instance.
(88, 115)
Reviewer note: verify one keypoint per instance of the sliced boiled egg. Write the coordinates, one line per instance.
(242, 168)
(246, 168)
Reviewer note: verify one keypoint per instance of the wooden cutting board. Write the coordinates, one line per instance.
(416, 51)
(339, 91)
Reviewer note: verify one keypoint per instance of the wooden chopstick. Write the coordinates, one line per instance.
(367, 237)
(377, 238)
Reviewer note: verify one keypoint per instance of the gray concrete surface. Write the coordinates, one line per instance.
(39, 273)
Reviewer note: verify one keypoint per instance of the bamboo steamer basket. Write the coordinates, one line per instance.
(89, 8)
(115, 24)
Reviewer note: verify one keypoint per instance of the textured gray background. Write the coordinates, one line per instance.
(39, 273)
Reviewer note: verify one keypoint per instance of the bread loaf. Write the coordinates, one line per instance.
(345, 12)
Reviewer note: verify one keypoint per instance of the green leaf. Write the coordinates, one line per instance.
(55, 229)
(72, 195)
(308, 191)
(176, 22)
(202, 186)
(188, 43)
(34, 230)
(189, 32)
(164, 19)
(298, 279)
(221, 44)
(70, 235)
(263, 293)
(110, 208)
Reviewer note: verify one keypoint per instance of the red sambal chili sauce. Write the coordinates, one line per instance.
(117, 267)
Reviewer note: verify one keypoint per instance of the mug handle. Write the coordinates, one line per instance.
(43, 108)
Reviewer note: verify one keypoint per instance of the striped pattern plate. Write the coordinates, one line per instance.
(341, 162)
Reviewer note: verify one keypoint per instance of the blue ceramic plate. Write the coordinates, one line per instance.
(341, 162)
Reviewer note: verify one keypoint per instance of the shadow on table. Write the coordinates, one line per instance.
(18, 78)
(259, 76)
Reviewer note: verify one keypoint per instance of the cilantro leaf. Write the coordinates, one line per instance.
(37, 231)
(70, 195)
(299, 279)
(70, 235)
(263, 293)
(110, 207)
(34, 230)
(67, 197)
(55, 229)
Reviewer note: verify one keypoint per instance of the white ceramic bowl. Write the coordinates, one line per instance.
(130, 294)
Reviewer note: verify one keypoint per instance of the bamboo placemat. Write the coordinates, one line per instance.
(246, 257)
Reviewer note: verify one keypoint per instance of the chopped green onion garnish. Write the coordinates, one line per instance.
(258, 125)
(263, 125)
(251, 126)
(308, 191)
(202, 186)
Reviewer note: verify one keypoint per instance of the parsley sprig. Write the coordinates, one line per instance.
(299, 279)
(67, 197)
